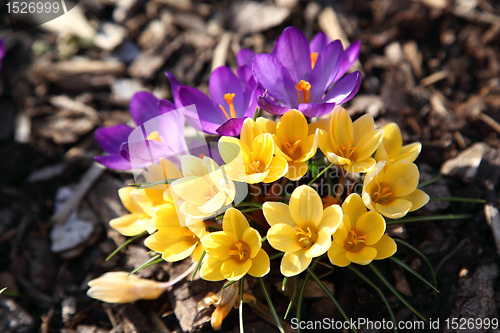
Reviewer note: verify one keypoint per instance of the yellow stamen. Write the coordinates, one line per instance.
(290, 149)
(382, 194)
(346, 152)
(239, 250)
(306, 238)
(303, 87)
(229, 100)
(355, 242)
(314, 58)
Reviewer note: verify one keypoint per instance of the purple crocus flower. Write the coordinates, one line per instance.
(2, 51)
(300, 75)
(154, 119)
(231, 102)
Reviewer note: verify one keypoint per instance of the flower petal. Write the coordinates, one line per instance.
(143, 107)
(344, 89)
(277, 213)
(385, 247)
(361, 166)
(128, 202)
(362, 257)
(283, 238)
(277, 169)
(294, 263)
(293, 51)
(211, 269)
(245, 57)
(174, 86)
(249, 132)
(362, 125)
(296, 170)
(235, 222)
(114, 161)
(292, 127)
(260, 264)
(350, 56)
(341, 128)
(371, 225)
(321, 245)
(393, 140)
(271, 106)
(337, 255)
(129, 225)
(402, 178)
(266, 125)
(217, 244)
(332, 217)
(252, 238)
(418, 199)
(110, 138)
(368, 143)
(409, 153)
(316, 109)
(306, 208)
(319, 41)
(179, 250)
(353, 207)
(232, 127)
(273, 76)
(224, 81)
(326, 68)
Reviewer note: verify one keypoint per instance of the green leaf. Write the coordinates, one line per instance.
(276, 255)
(421, 255)
(271, 306)
(412, 271)
(127, 242)
(199, 264)
(293, 296)
(379, 292)
(319, 174)
(283, 285)
(330, 296)
(152, 261)
(429, 218)
(430, 181)
(256, 114)
(302, 292)
(459, 200)
(394, 291)
(242, 280)
(146, 185)
(228, 283)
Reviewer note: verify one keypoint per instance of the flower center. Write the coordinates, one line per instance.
(382, 194)
(307, 237)
(347, 152)
(239, 251)
(256, 167)
(314, 58)
(291, 149)
(354, 242)
(303, 91)
(154, 136)
(229, 100)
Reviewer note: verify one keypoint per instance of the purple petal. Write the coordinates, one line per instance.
(345, 89)
(224, 81)
(114, 161)
(245, 57)
(351, 54)
(205, 109)
(252, 101)
(171, 125)
(197, 148)
(273, 77)
(164, 106)
(316, 110)
(110, 138)
(326, 67)
(232, 127)
(271, 106)
(319, 41)
(143, 106)
(174, 86)
(293, 51)
(245, 74)
(144, 153)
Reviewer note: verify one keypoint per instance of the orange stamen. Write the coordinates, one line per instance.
(229, 100)
(303, 87)
(314, 58)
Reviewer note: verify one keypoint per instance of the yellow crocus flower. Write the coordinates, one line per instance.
(134, 223)
(349, 144)
(234, 251)
(251, 159)
(360, 237)
(392, 149)
(177, 237)
(120, 287)
(205, 188)
(292, 141)
(391, 189)
(302, 229)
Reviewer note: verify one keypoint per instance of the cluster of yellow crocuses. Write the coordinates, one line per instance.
(178, 214)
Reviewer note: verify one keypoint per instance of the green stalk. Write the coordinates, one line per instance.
(271, 306)
(152, 261)
(127, 242)
(459, 200)
(302, 292)
(429, 218)
(412, 271)
(199, 264)
(293, 296)
(319, 174)
(421, 255)
(430, 181)
(242, 280)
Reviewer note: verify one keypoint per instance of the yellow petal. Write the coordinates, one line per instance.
(340, 236)
(193, 189)
(166, 216)
(235, 270)
(409, 153)
(214, 204)
(179, 250)
(283, 238)
(341, 128)
(372, 225)
(324, 141)
(158, 243)
(362, 257)
(381, 154)
(353, 207)
(192, 166)
(128, 202)
(263, 149)
(252, 238)
(321, 245)
(277, 169)
(296, 170)
(129, 225)
(198, 251)
(332, 217)
(393, 141)
(277, 149)
(249, 131)
(218, 243)
(235, 222)
(197, 227)
(394, 209)
(211, 269)
(418, 199)
(292, 127)
(339, 160)
(306, 207)
(361, 166)
(308, 148)
(368, 143)
(385, 247)
(323, 124)
(255, 178)
(402, 178)
(233, 150)
(361, 126)
(276, 213)
(294, 263)
(336, 254)
(266, 125)
(148, 199)
(260, 264)
(169, 170)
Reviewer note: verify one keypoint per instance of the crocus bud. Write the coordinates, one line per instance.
(119, 287)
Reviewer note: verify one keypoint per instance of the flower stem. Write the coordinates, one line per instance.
(429, 218)
(271, 306)
(240, 309)
(319, 174)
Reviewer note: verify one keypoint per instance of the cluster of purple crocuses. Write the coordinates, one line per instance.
(309, 77)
